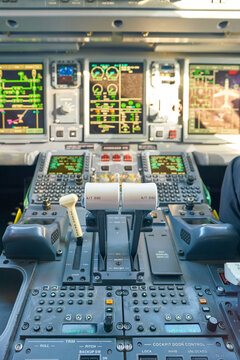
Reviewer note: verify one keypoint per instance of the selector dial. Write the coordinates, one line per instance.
(64, 109)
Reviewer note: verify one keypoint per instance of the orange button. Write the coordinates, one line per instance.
(109, 302)
(202, 301)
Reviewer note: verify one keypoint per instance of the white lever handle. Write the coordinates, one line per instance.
(69, 201)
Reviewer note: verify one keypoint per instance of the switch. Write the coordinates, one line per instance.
(105, 157)
(128, 168)
(108, 323)
(212, 324)
(116, 157)
(109, 302)
(59, 133)
(105, 168)
(172, 134)
(202, 301)
(159, 133)
(72, 133)
(127, 157)
(190, 179)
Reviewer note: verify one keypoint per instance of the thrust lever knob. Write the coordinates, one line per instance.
(190, 203)
(46, 204)
(108, 324)
(212, 324)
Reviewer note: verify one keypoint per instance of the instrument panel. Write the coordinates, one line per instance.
(119, 99)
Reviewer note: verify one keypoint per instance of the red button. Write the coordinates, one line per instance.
(116, 157)
(105, 157)
(127, 157)
(172, 134)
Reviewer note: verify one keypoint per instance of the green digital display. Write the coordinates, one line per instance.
(116, 98)
(66, 164)
(167, 164)
(21, 99)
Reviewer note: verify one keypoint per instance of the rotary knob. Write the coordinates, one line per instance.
(108, 324)
(190, 203)
(190, 179)
(64, 110)
(212, 324)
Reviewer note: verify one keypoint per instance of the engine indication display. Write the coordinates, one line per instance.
(214, 99)
(116, 98)
(66, 165)
(167, 164)
(21, 99)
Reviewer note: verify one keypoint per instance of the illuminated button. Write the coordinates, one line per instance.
(88, 317)
(109, 309)
(72, 133)
(116, 157)
(105, 157)
(109, 302)
(127, 157)
(172, 134)
(78, 317)
(202, 301)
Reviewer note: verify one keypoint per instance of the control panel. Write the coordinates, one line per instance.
(151, 4)
(176, 176)
(58, 174)
(48, 99)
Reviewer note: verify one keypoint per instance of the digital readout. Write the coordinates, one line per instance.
(167, 164)
(77, 329)
(66, 165)
(182, 328)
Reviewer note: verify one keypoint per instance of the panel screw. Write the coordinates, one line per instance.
(120, 347)
(229, 346)
(18, 347)
(59, 252)
(128, 347)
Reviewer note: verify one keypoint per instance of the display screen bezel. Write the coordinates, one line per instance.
(165, 173)
(204, 138)
(31, 137)
(112, 137)
(49, 172)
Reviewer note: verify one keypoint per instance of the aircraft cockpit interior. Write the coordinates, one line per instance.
(119, 180)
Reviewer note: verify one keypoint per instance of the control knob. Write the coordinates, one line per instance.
(212, 324)
(64, 110)
(190, 179)
(108, 324)
(46, 204)
(190, 203)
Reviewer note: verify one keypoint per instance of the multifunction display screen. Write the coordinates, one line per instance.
(167, 164)
(66, 165)
(214, 99)
(21, 99)
(67, 74)
(116, 98)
